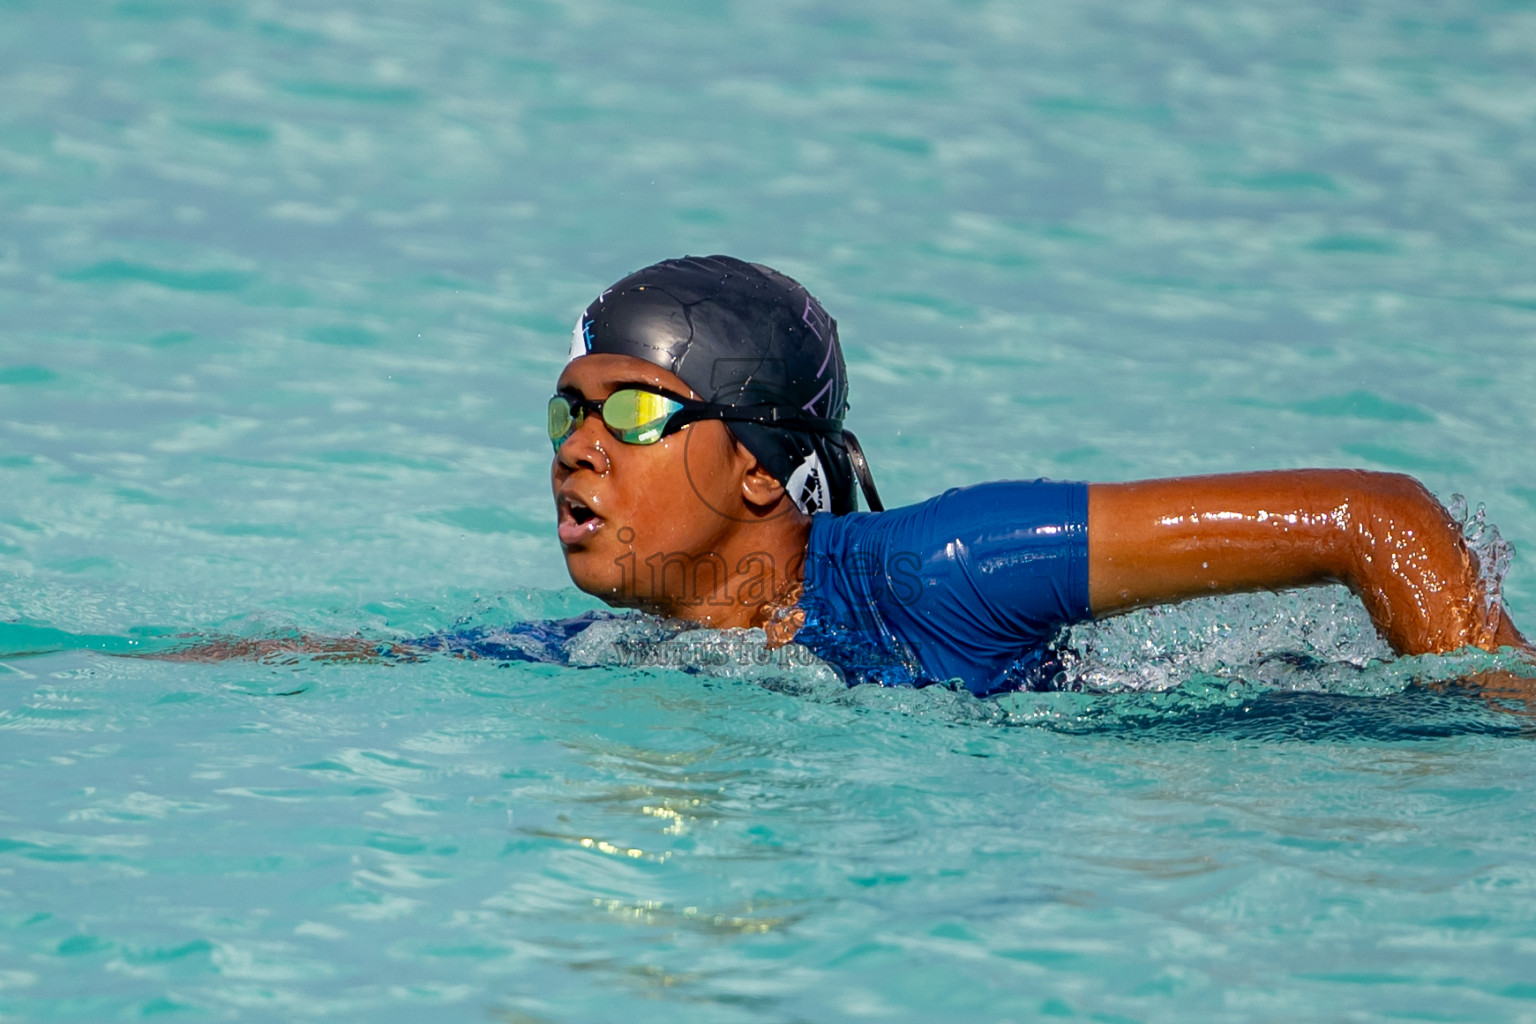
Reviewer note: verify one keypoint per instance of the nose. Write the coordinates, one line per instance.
(583, 449)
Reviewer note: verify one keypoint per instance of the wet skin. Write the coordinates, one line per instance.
(1380, 534)
(691, 526)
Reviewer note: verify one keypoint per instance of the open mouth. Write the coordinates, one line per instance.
(577, 520)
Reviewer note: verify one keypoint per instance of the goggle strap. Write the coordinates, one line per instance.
(787, 416)
(793, 419)
(861, 470)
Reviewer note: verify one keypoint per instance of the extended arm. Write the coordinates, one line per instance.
(1380, 534)
(281, 650)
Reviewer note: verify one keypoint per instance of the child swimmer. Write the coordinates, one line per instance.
(702, 472)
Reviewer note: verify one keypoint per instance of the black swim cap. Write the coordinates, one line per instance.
(741, 334)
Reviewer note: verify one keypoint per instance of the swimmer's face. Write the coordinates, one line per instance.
(623, 509)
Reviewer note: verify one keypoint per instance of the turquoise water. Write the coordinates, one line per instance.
(283, 287)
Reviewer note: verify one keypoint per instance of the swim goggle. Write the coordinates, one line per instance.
(641, 416)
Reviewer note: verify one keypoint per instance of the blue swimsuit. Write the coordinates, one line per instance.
(971, 585)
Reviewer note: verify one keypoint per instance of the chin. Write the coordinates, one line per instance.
(598, 576)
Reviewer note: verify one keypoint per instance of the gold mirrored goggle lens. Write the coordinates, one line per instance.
(633, 416)
(638, 417)
(562, 419)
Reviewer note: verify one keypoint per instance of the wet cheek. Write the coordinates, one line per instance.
(656, 494)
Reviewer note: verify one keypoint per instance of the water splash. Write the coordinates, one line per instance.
(1313, 639)
(1297, 665)
(1494, 553)
(647, 642)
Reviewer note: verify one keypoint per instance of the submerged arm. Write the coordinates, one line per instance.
(1380, 534)
(282, 650)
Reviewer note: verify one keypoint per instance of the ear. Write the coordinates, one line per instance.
(760, 489)
(763, 494)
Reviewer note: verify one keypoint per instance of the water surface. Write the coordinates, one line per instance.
(283, 288)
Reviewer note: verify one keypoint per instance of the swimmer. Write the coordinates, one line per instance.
(702, 471)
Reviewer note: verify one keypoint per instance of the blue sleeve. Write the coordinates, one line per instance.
(537, 641)
(970, 585)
